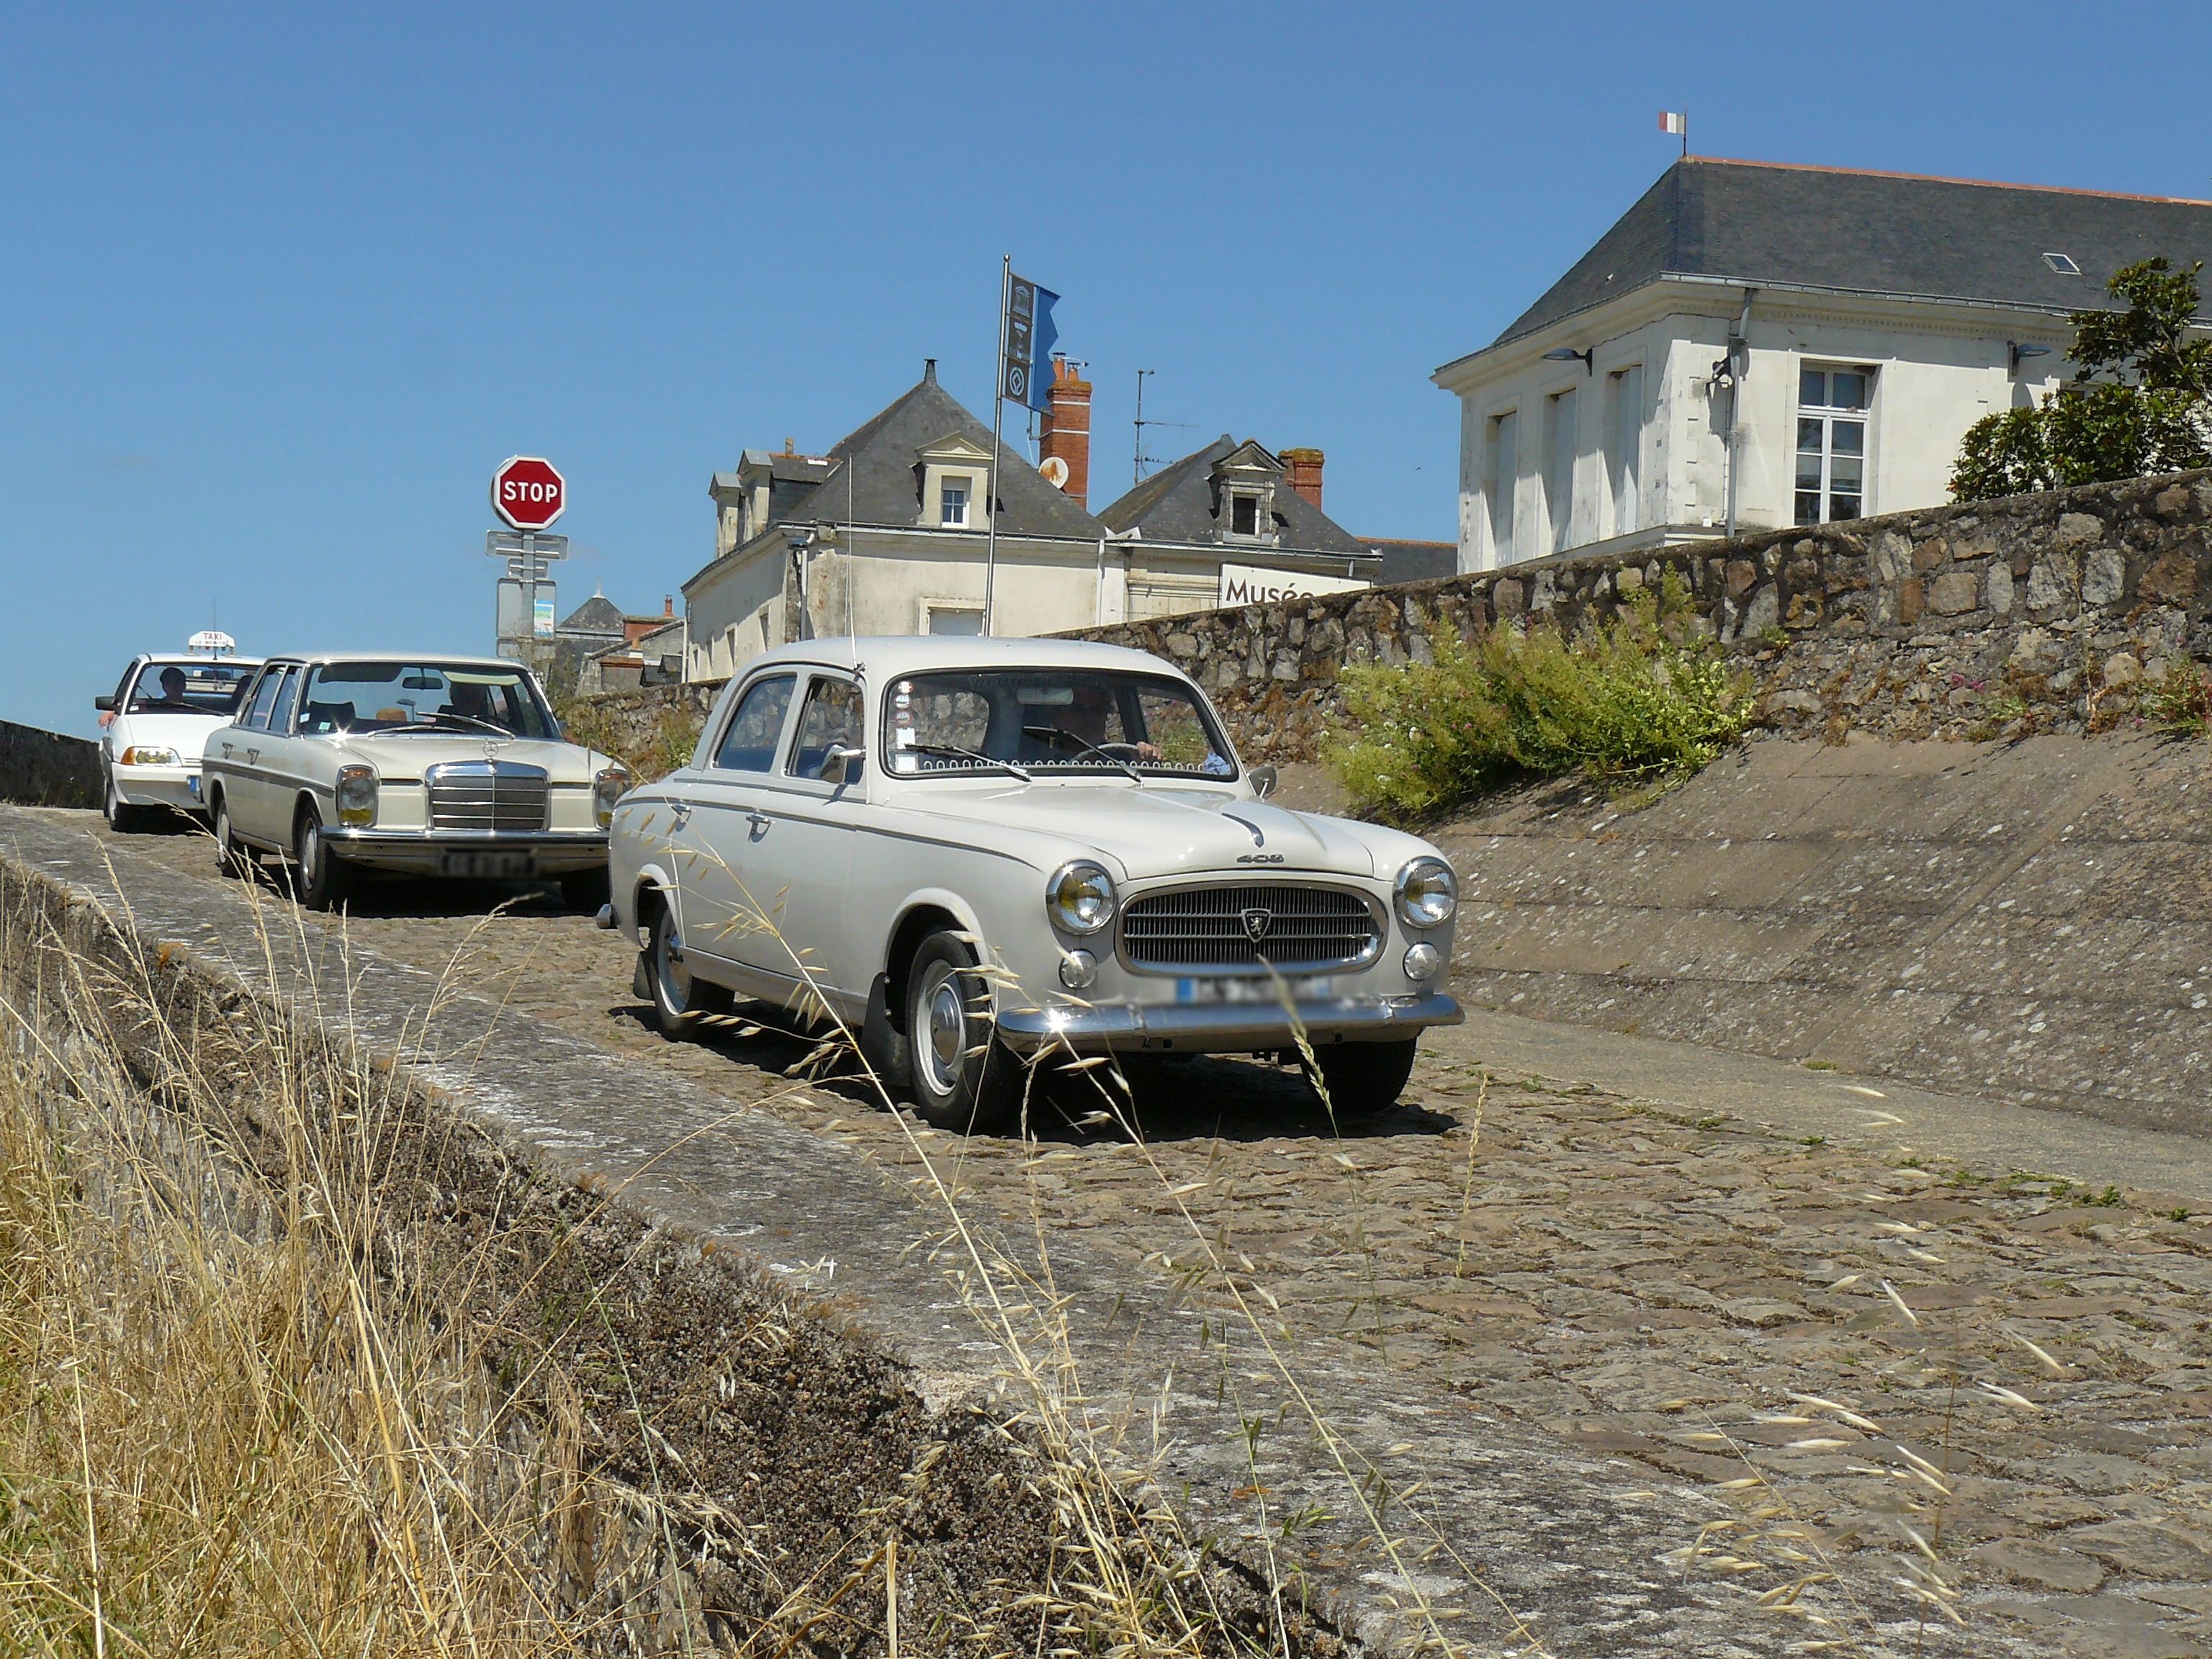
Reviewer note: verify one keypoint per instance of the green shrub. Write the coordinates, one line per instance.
(1636, 699)
(663, 747)
(2179, 700)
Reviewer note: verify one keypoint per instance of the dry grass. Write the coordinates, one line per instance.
(223, 1430)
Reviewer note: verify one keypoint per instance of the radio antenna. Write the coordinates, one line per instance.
(1143, 460)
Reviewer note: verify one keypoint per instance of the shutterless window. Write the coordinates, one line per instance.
(1559, 465)
(280, 717)
(1244, 514)
(256, 717)
(1832, 405)
(952, 503)
(830, 718)
(1505, 469)
(749, 742)
(1626, 389)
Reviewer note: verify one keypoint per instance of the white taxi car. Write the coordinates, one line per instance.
(972, 851)
(421, 765)
(152, 729)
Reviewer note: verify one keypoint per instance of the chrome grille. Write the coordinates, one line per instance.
(1249, 929)
(486, 795)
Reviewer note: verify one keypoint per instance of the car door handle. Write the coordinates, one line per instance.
(760, 823)
(681, 811)
(253, 756)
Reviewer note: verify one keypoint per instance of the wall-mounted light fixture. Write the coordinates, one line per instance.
(1567, 355)
(2017, 351)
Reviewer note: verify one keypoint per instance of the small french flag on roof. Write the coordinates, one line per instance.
(1675, 122)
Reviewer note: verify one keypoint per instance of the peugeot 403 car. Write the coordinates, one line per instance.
(972, 852)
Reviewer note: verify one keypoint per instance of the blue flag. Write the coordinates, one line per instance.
(1025, 368)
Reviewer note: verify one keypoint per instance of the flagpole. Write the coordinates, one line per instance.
(998, 413)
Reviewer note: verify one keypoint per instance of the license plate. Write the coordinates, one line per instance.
(488, 866)
(1252, 990)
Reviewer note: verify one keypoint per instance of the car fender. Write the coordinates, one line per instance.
(651, 876)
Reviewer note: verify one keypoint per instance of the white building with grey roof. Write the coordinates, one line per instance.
(891, 533)
(1755, 345)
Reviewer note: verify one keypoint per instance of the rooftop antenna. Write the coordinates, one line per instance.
(1143, 460)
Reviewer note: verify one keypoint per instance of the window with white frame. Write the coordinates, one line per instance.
(1505, 469)
(1559, 465)
(1626, 389)
(1244, 513)
(952, 502)
(1831, 447)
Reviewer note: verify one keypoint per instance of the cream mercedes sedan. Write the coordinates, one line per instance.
(972, 852)
(421, 765)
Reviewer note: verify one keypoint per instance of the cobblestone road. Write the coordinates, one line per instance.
(1856, 1350)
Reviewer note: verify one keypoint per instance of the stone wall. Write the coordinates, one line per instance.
(39, 768)
(2041, 612)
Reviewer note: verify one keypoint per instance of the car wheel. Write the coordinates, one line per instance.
(680, 1002)
(320, 878)
(122, 818)
(1363, 1079)
(965, 1078)
(585, 889)
(231, 856)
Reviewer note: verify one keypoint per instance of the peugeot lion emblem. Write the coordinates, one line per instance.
(1257, 922)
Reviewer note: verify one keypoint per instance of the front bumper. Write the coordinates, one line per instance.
(466, 854)
(1223, 1027)
(159, 785)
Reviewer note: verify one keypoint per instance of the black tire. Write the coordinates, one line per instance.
(231, 856)
(586, 890)
(679, 1001)
(124, 819)
(320, 880)
(1363, 1079)
(964, 1079)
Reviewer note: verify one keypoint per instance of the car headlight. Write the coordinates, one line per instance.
(141, 755)
(1080, 897)
(606, 789)
(1428, 893)
(356, 794)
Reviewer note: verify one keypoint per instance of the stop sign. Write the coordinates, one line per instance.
(528, 492)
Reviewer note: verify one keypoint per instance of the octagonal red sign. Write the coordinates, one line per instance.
(528, 492)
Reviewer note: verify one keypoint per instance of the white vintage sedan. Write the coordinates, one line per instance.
(421, 765)
(153, 726)
(971, 852)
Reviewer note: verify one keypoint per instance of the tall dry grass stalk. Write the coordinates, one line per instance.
(224, 1428)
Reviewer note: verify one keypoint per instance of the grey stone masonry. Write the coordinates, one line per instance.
(2047, 612)
(39, 767)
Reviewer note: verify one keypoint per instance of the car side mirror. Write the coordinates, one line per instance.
(841, 765)
(1264, 781)
(104, 702)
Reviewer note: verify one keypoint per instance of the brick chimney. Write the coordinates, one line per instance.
(1302, 468)
(1065, 430)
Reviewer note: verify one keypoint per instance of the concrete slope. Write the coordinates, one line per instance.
(2029, 922)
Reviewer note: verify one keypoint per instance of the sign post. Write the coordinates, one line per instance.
(529, 493)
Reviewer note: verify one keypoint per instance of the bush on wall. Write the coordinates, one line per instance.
(1639, 698)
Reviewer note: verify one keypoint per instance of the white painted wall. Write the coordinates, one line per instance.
(1938, 367)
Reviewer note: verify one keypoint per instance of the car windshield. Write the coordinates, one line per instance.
(190, 688)
(1050, 721)
(426, 696)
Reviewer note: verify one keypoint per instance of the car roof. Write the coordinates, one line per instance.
(185, 659)
(446, 659)
(888, 656)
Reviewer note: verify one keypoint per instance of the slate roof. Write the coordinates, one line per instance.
(597, 615)
(1765, 223)
(885, 454)
(1177, 504)
(1414, 562)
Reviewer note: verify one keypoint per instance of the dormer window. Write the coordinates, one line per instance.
(952, 502)
(1244, 513)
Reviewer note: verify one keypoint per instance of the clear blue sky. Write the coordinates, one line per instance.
(283, 285)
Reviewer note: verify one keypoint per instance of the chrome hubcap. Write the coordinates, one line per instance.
(675, 977)
(945, 1019)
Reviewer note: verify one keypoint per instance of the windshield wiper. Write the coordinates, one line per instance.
(957, 753)
(470, 721)
(1059, 734)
